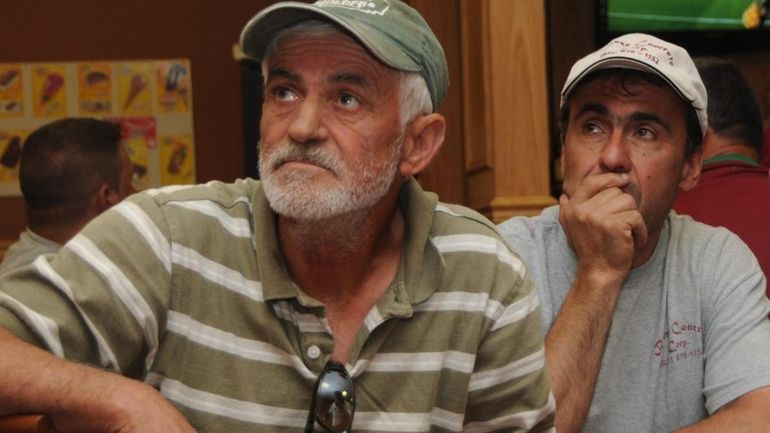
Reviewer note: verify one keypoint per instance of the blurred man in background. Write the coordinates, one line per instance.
(71, 170)
(734, 189)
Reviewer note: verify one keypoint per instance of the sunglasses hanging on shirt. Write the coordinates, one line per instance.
(334, 400)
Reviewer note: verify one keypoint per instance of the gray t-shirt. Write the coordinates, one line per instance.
(690, 331)
(24, 251)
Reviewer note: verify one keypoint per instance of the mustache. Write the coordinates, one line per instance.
(292, 152)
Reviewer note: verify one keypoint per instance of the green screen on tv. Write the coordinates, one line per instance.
(678, 15)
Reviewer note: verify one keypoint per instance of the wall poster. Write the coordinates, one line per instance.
(150, 99)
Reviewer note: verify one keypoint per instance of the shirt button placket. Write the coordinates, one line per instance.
(313, 352)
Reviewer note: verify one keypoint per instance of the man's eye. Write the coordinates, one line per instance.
(591, 128)
(646, 133)
(284, 94)
(348, 100)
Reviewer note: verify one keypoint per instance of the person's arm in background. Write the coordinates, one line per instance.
(77, 397)
(750, 413)
(603, 226)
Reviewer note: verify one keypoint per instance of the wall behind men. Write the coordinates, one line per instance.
(203, 31)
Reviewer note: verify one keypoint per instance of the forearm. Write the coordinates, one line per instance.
(575, 346)
(80, 398)
(32, 380)
(749, 414)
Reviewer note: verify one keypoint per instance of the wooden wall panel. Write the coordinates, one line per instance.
(476, 81)
(445, 175)
(506, 99)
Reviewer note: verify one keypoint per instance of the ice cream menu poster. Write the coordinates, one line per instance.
(150, 99)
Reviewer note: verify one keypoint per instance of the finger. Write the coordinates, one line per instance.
(638, 229)
(592, 185)
(612, 201)
(631, 223)
(597, 208)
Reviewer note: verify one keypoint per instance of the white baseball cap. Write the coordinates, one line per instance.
(647, 53)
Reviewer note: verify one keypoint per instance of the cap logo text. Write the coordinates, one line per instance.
(648, 50)
(374, 7)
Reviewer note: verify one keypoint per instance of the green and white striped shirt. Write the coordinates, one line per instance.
(186, 289)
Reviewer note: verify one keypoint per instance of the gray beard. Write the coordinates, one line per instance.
(295, 196)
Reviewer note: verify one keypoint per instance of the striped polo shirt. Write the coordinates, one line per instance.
(186, 288)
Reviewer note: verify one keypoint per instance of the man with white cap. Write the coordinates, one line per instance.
(653, 322)
(335, 294)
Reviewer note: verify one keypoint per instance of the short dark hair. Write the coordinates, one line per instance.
(626, 78)
(63, 164)
(733, 110)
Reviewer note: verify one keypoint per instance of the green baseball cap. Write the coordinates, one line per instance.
(391, 30)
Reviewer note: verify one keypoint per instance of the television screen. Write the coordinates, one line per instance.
(701, 26)
(676, 15)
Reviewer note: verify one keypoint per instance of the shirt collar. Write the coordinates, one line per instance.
(418, 274)
(731, 157)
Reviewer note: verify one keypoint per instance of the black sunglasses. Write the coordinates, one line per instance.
(334, 400)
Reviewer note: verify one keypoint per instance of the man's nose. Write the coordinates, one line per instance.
(307, 125)
(615, 157)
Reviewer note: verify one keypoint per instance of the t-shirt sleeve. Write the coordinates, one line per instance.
(737, 338)
(102, 298)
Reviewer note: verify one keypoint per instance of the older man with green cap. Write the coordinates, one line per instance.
(334, 294)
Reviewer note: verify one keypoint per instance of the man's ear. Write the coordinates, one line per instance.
(691, 170)
(106, 197)
(422, 141)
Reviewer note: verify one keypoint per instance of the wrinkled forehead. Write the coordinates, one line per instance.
(615, 97)
(625, 82)
(631, 87)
